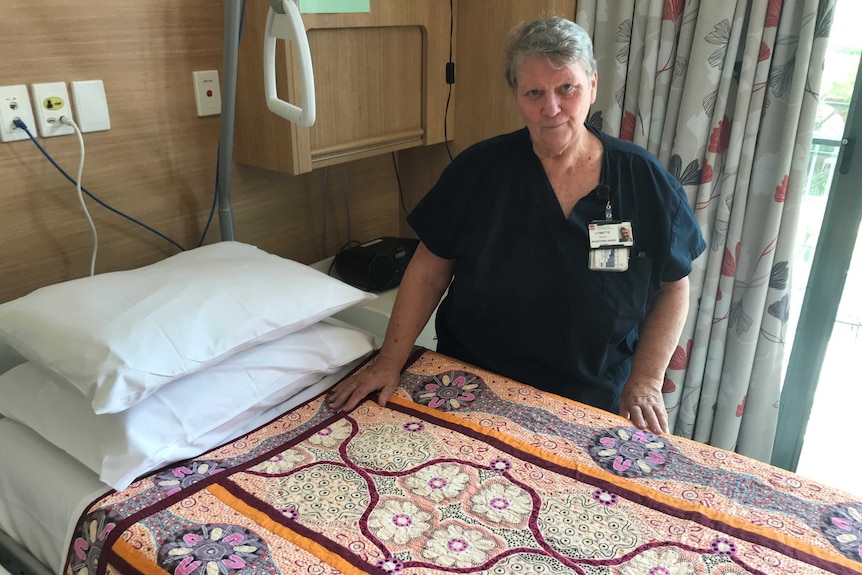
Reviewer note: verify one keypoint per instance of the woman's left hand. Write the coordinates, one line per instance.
(642, 403)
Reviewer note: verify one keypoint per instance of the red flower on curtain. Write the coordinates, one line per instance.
(668, 386)
(706, 174)
(680, 357)
(781, 191)
(773, 13)
(673, 9)
(728, 265)
(741, 407)
(627, 130)
(719, 140)
(765, 52)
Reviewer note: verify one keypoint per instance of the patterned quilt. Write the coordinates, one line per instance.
(467, 472)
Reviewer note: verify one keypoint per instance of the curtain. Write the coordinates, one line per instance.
(724, 94)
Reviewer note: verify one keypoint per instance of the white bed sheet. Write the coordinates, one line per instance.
(43, 491)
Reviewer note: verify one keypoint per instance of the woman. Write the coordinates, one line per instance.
(541, 291)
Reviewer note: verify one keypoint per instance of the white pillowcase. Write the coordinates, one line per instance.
(185, 418)
(118, 337)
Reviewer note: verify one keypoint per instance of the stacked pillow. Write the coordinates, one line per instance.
(129, 371)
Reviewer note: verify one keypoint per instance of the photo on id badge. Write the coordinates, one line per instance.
(606, 234)
(625, 233)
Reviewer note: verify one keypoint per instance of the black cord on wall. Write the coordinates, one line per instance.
(450, 79)
(400, 189)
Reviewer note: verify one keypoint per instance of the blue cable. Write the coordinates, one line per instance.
(241, 20)
(23, 126)
(218, 151)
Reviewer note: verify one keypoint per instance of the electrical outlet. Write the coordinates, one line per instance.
(15, 104)
(51, 102)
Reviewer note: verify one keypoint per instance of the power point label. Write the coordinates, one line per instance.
(53, 103)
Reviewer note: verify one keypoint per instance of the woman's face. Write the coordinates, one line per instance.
(554, 102)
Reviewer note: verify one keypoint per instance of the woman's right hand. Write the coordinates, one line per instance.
(380, 374)
(426, 278)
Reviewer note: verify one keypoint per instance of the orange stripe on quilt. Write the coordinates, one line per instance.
(285, 533)
(603, 475)
(136, 559)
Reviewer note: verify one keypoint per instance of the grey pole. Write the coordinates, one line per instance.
(232, 15)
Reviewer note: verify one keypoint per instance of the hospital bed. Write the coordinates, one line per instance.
(464, 471)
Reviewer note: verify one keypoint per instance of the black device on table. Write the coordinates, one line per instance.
(376, 265)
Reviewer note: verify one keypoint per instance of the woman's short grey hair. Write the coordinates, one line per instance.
(560, 40)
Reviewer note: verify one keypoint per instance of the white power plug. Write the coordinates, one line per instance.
(51, 102)
(15, 104)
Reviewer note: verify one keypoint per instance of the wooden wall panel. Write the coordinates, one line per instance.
(158, 161)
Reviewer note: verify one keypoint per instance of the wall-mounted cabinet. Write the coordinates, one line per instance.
(379, 78)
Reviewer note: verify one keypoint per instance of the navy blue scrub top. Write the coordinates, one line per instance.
(523, 302)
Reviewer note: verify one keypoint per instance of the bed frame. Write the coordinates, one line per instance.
(13, 557)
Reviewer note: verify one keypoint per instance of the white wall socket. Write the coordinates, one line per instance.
(15, 104)
(50, 103)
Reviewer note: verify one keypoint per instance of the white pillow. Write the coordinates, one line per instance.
(119, 336)
(185, 418)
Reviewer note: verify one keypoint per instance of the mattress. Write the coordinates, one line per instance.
(43, 525)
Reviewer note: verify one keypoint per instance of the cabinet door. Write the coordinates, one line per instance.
(379, 81)
(369, 95)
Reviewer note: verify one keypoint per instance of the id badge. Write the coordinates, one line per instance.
(609, 233)
(609, 259)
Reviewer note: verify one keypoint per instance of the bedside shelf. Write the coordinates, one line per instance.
(374, 316)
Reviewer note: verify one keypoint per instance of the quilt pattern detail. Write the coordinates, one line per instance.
(468, 472)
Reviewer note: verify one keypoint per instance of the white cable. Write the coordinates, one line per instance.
(70, 122)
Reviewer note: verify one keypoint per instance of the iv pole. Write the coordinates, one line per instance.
(283, 22)
(232, 14)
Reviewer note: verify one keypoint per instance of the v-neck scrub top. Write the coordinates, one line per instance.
(523, 301)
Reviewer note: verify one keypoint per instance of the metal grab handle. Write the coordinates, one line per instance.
(286, 24)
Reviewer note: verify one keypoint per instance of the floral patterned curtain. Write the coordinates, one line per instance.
(724, 93)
